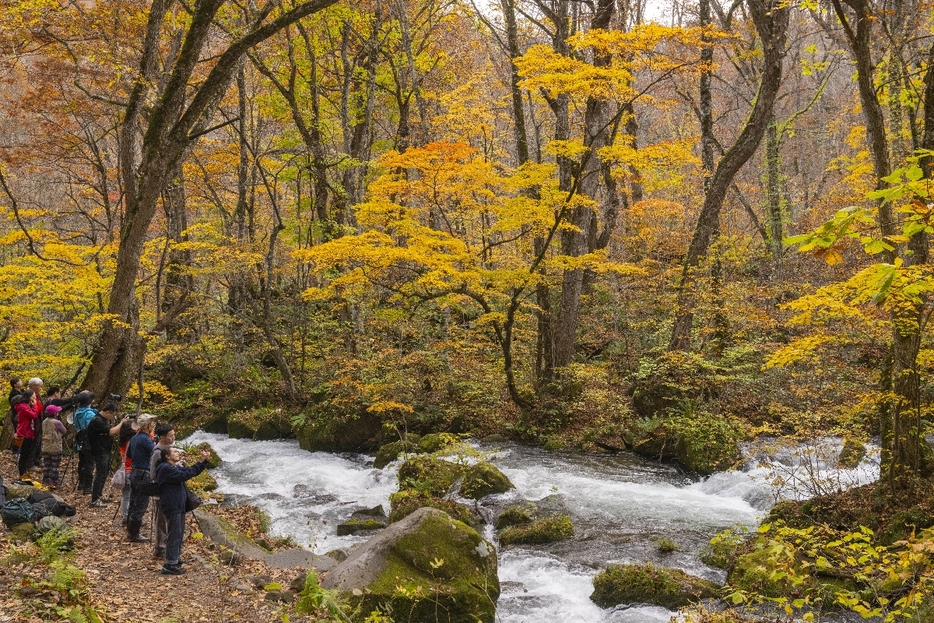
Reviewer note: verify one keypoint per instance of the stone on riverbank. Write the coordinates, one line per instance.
(425, 564)
(648, 584)
(483, 479)
(545, 530)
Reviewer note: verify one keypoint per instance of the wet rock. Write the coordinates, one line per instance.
(429, 474)
(546, 530)
(454, 566)
(436, 441)
(648, 584)
(355, 526)
(341, 434)
(483, 479)
(389, 452)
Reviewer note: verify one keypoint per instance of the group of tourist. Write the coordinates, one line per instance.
(146, 457)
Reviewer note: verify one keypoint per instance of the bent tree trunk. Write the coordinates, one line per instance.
(771, 21)
(170, 128)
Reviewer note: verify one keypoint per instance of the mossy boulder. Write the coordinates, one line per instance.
(648, 584)
(435, 442)
(707, 443)
(429, 474)
(355, 526)
(545, 530)
(275, 425)
(23, 532)
(852, 453)
(654, 440)
(483, 479)
(202, 484)
(424, 565)
(240, 425)
(516, 515)
(389, 452)
(406, 502)
(328, 432)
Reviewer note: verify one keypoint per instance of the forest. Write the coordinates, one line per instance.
(662, 226)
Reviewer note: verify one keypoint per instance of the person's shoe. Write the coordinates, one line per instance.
(99, 503)
(86, 491)
(161, 554)
(106, 500)
(139, 538)
(172, 570)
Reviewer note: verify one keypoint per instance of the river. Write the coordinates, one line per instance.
(619, 504)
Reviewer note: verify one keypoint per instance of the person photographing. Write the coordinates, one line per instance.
(171, 478)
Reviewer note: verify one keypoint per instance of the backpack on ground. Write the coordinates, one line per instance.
(17, 511)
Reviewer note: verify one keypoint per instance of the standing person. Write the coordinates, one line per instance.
(27, 414)
(35, 385)
(53, 431)
(83, 416)
(139, 451)
(100, 441)
(171, 478)
(16, 392)
(124, 435)
(165, 434)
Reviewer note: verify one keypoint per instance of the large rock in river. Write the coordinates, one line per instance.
(648, 584)
(424, 565)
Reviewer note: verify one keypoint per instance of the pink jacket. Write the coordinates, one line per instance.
(27, 413)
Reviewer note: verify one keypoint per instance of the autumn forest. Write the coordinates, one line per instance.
(566, 222)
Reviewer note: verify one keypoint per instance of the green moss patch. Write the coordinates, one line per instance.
(406, 502)
(484, 479)
(546, 530)
(648, 584)
(429, 475)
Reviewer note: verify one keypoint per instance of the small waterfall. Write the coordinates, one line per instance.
(619, 504)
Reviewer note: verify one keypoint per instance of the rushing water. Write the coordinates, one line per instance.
(619, 504)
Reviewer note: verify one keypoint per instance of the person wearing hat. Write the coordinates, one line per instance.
(52, 433)
(139, 451)
(100, 444)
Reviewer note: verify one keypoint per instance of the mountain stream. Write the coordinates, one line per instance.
(620, 506)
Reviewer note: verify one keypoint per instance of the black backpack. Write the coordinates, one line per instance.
(17, 511)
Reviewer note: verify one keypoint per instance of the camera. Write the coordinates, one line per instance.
(116, 397)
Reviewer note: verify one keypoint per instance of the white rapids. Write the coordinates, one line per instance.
(620, 505)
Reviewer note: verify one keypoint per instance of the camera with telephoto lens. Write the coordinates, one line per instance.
(116, 397)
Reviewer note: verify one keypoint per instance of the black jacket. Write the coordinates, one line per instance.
(171, 479)
(99, 439)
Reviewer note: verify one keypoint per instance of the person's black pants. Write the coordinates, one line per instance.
(101, 464)
(27, 455)
(85, 470)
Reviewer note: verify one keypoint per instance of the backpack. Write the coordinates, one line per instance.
(17, 511)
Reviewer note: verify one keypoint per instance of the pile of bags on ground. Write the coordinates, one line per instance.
(43, 510)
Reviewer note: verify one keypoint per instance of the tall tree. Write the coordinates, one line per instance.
(162, 119)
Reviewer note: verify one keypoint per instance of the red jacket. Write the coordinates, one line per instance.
(28, 415)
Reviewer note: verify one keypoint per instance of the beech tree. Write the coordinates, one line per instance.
(166, 112)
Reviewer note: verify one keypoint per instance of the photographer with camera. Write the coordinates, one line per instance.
(140, 453)
(83, 416)
(100, 442)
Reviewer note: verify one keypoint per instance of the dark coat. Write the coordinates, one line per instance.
(171, 479)
(99, 440)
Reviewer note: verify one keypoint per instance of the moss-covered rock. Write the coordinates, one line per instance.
(275, 425)
(215, 461)
(648, 584)
(406, 502)
(354, 526)
(422, 566)
(202, 484)
(852, 453)
(328, 432)
(545, 530)
(429, 474)
(706, 443)
(389, 452)
(516, 515)
(23, 532)
(434, 442)
(239, 426)
(484, 479)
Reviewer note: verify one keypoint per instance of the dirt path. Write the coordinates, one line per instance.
(124, 580)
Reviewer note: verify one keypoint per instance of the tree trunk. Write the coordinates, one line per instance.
(178, 115)
(771, 21)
